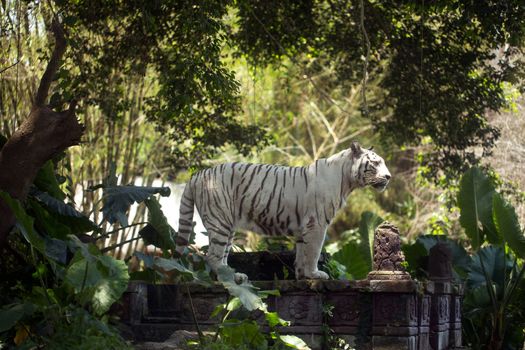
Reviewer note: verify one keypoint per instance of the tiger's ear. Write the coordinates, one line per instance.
(371, 148)
(356, 149)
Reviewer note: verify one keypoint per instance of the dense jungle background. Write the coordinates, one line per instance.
(108, 103)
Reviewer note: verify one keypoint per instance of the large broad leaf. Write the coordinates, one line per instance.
(495, 264)
(88, 251)
(47, 222)
(508, 225)
(157, 232)
(367, 227)
(118, 199)
(475, 204)
(11, 314)
(100, 282)
(46, 181)
(198, 276)
(245, 291)
(113, 284)
(65, 213)
(353, 258)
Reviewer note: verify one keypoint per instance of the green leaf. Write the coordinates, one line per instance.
(88, 251)
(167, 265)
(46, 181)
(218, 309)
(243, 335)
(148, 260)
(13, 313)
(475, 204)
(57, 205)
(157, 232)
(66, 214)
(367, 226)
(47, 222)
(508, 225)
(234, 304)
(273, 320)
(56, 249)
(113, 284)
(494, 262)
(351, 256)
(294, 342)
(245, 291)
(118, 199)
(24, 222)
(100, 283)
(82, 274)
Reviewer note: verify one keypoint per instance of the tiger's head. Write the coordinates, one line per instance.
(368, 168)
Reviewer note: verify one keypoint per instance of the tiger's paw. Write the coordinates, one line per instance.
(318, 275)
(240, 278)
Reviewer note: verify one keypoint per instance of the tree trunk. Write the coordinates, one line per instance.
(42, 135)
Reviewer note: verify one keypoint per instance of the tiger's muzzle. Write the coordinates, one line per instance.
(381, 183)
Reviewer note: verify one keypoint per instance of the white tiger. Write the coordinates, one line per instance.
(276, 200)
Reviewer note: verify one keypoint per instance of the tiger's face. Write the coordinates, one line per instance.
(370, 169)
(374, 171)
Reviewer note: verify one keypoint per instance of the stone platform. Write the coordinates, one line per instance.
(388, 310)
(379, 314)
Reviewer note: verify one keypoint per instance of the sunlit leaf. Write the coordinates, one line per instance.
(273, 320)
(508, 225)
(475, 204)
(246, 292)
(294, 342)
(351, 256)
(113, 284)
(367, 225)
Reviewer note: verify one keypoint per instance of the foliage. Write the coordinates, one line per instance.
(56, 284)
(240, 331)
(197, 96)
(71, 293)
(416, 255)
(356, 255)
(428, 56)
(494, 274)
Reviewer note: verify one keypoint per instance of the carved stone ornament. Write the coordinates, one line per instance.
(388, 257)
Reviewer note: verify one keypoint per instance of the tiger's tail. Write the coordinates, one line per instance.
(185, 219)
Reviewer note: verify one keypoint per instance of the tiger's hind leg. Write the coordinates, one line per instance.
(220, 244)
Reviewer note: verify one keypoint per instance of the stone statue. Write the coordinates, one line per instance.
(388, 257)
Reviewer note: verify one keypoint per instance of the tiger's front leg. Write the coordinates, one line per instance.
(308, 251)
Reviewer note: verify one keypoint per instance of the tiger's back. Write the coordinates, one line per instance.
(264, 198)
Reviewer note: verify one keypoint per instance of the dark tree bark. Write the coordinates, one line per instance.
(42, 135)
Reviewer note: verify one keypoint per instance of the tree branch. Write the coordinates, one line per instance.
(52, 66)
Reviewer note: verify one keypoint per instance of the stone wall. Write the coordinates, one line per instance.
(388, 310)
